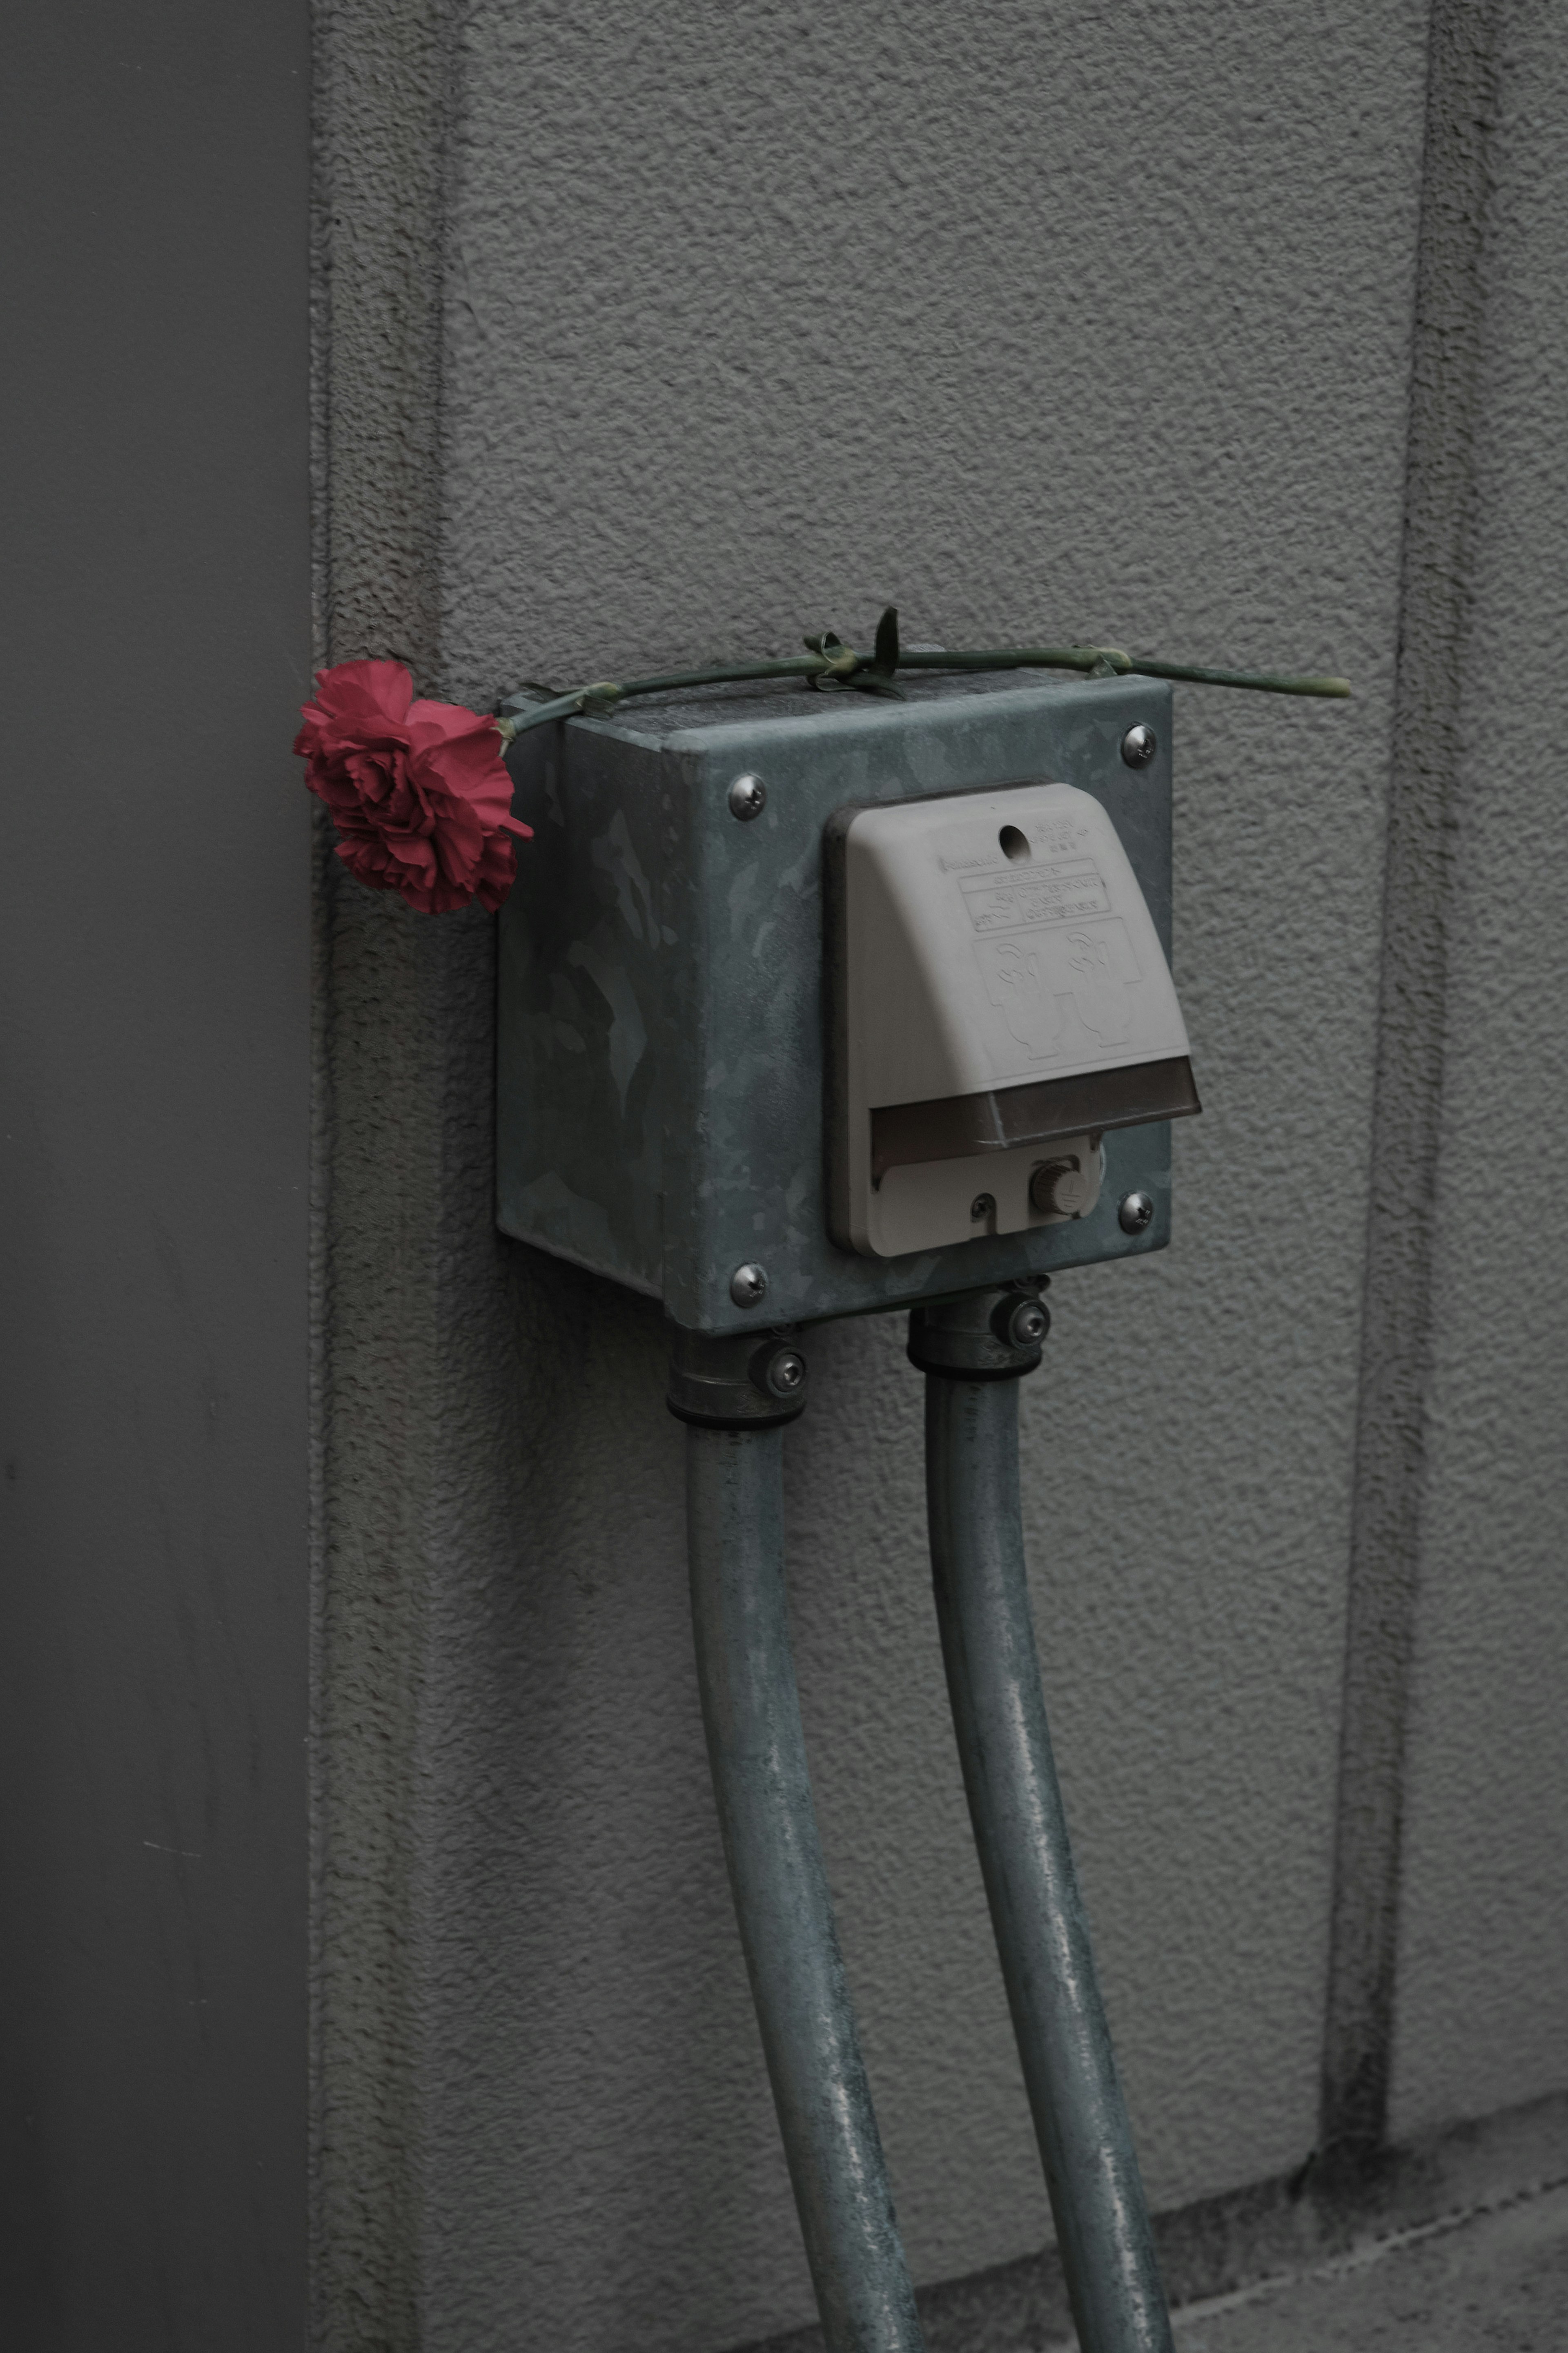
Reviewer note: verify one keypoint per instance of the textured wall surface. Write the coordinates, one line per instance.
(745, 325)
(1399, 1293)
(1482, 2011)
(154, 1161)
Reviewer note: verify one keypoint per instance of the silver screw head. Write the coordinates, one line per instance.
(786, 1373)
(749, 1285)
(1139, 746)
(1028, 1323)
(1136, 1214)
(982, 1206)
(748, 799)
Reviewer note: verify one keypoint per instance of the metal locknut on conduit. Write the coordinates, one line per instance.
(986, 1335)
(737, 1381)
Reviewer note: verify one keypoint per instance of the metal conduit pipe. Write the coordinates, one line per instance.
(735, 1404)
(972, 1352)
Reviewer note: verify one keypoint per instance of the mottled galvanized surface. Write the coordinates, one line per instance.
(660, 1049)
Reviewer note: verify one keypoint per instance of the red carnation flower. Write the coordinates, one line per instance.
(417, 790)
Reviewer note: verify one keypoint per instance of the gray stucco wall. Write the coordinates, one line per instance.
(1483, 2015)
(647, 335)
(1228, 332)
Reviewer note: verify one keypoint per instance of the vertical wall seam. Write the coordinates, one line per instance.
(321, 1168)
(383, 1039)
(1398, 1310)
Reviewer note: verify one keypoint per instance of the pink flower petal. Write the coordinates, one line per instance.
(418, 790)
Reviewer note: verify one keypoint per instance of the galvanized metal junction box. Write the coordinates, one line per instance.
(668, 1053)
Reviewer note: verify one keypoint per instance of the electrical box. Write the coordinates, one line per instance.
(818, 1004)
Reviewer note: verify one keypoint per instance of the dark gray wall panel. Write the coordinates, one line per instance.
(154, 967)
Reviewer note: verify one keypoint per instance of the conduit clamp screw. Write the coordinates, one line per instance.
(1136, 1214)
(1022, 1324)
(1138, 745)
(986, 1335)
(749, 1285)
(748, 798)
(781, 1371)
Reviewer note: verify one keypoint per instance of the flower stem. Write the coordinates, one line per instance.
(1104, 660)
(1109, 660)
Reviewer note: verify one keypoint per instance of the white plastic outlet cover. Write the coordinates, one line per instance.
(990, 941)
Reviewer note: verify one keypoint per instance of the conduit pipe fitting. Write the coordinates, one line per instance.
(986, 1335)
(737, 1382)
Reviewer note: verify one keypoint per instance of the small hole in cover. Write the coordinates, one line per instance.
(1014, 843)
